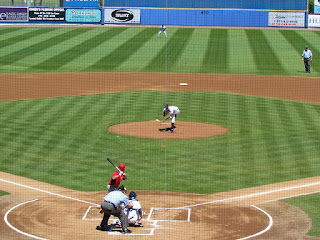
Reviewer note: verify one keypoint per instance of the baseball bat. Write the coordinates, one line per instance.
(113, 164)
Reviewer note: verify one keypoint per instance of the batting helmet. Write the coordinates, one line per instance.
(132, 195)
(122, 167)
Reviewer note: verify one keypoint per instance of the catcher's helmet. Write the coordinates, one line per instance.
(122, 167)
(132, 195)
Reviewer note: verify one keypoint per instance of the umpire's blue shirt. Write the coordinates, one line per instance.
(116, 197)
(307, 54)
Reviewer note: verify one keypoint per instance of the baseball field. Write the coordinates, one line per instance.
(242, 163)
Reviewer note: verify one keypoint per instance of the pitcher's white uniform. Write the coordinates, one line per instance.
(173, 110)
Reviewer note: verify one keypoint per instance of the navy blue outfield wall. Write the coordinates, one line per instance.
(284, 5)
(204, 17)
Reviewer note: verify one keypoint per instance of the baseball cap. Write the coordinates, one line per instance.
(307, 47)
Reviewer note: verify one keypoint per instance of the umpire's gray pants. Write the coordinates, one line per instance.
(307, 64)
(109, 209)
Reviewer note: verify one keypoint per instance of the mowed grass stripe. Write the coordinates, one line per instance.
(309, 120)
(8, 123)
(25, 37)
(299, 43)
(57, 134)
(301, 154)
(43, 45)
(123, 52)
(46, 126)
(270, 141)
(265, 59)
(78, 50)
(287, 55)
(238, 53)
(247, 148)
(175, 47)
(215, 59)
(292, 142)
(7, 30)
(22, 127)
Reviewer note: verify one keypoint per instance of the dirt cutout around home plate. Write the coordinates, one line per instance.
(183, 130)
(39, 210)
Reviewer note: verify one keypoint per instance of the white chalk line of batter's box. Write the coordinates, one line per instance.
(168, 209)
(85, 216)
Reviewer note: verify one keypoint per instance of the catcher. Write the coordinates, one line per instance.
(134, 211)
(170, 112)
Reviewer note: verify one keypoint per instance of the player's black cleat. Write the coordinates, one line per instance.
(127, 231)
(102, 228)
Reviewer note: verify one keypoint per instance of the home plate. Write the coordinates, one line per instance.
(183, 84)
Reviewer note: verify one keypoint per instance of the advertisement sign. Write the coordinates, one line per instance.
(313, 20)
(286, 19)
(46, 14)
(13, 14)
(316, 7)
(81, 3)
(123, 16)
(83, 15)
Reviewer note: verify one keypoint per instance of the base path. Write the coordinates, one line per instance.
(29, 86)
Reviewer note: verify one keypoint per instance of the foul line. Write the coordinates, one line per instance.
(44, 191)
(254, 194)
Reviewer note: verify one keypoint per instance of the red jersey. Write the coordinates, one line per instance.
(117, 181)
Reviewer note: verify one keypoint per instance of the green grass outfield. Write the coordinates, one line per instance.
(65, 141)
(137, 49)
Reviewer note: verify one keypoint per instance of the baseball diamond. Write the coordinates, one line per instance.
(214, 129)
(234, 215)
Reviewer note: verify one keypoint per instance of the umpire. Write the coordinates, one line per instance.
(307, 58)
(111, 205)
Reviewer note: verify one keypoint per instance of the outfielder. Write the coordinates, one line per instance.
(170, 112)
(134, 212)
(116, 178)
(162, 30)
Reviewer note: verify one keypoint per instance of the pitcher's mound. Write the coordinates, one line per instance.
(183, 130)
